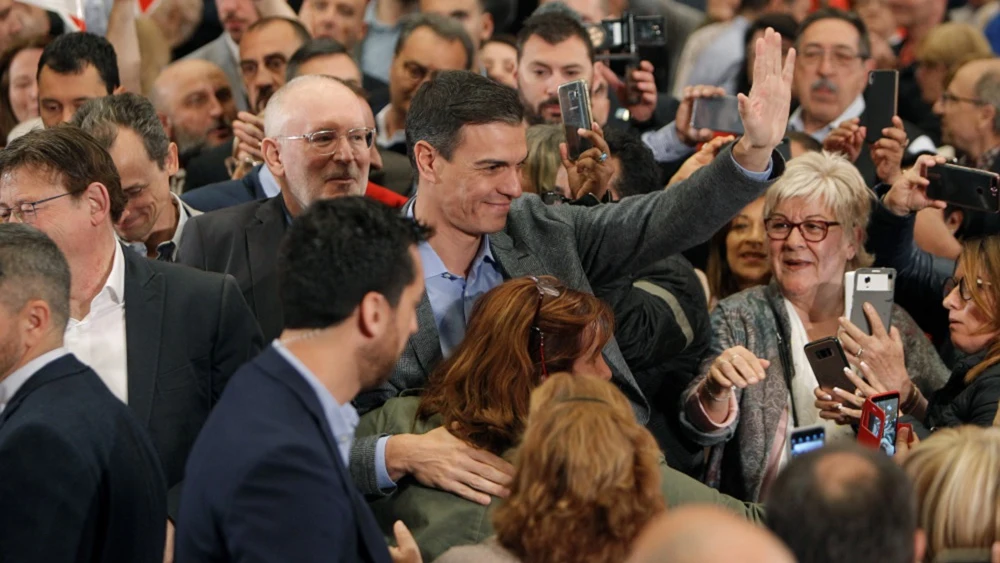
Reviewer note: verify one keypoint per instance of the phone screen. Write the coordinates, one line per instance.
(721, 114)
(807, 440)
(890, 406)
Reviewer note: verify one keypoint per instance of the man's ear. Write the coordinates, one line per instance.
(953, 221)
(167, 126)
(374, 315)
(119, 90)
(172, 162)
(488, 25)
(96, 197)
(272, 156)
(428, 161)
(988, 114)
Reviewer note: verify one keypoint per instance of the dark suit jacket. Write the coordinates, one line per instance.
(584, 247)
(186, 333)
(209, 167)
(268, 482)
(226, 193)
(378, 92)
(79, 479)
(242, 241)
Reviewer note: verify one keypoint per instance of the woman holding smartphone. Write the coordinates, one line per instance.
(971, 301)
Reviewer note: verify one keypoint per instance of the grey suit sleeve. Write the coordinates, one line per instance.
(192, 251)
(613, 240)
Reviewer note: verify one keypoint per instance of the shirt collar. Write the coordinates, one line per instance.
(167, 246)
(856, 108)
(372, 20)
(115, 284)
(268, 183)
(10, 385)
(382, 137)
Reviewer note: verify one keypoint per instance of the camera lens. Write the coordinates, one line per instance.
(868, 279)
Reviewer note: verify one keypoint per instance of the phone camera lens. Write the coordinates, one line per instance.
(868, 279)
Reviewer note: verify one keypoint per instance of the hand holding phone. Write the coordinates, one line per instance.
(881, 100)
(574, 104)
(879, 422)
(720, 114)
(877, 287)
(965, 187)
(827, 360)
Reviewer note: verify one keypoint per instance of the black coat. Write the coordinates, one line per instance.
(958, 403)
(79, 479)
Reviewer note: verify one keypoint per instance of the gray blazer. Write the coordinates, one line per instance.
(218, 52)
(583, 247)
(737, 467)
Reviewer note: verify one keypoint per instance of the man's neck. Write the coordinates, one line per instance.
(389, 12)
(164, 229)
(90, 272)
(52, 342)
(341, 378)
(456, 249)
(291, 204)
(984, 144)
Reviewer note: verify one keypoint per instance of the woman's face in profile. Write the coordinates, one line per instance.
(591, 363)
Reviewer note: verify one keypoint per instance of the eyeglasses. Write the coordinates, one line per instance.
(840, 58)
(25, 212)
(779, 228)
(544, 288)
(949, 98)
(326, 142)
(963, 287)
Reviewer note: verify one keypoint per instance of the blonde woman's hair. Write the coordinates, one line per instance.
(951, 45)
(834, 182)
(956, 476)
(587, 476)
(543, 161)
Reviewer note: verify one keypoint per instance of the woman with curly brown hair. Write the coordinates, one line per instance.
(518, 334)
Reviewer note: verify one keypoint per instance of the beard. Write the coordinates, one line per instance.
(379, 360)
(10, 352)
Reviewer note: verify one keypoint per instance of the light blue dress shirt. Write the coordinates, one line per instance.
(379, 45)
(343, 419)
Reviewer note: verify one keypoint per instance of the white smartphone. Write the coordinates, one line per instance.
(875, 286)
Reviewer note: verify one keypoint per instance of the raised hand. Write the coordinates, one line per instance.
(685, 112)
(765, 110)
(591, 172)
(887, 152)
(909, 192)
(847, 139)
(644, 84)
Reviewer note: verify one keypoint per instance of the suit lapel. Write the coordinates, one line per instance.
(263, 236)
(515, 262)
(426, 343)
(144, 297)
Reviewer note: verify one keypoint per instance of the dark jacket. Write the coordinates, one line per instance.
(663, 329)
(268, 482)
(226, 193)
(79, 479)
(958, 403)
(186, 333)
(243, 241)
(208, 167)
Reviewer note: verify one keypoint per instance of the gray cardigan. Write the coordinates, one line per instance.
(583, 247)
(746, 319)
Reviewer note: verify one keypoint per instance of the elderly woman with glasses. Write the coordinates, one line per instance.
(756, 384)
(971, 302)
(519, 334)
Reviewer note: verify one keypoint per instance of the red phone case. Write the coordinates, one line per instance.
(865, 436)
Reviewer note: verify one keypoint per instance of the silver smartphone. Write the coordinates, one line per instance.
(876, 286)
(720, 114)
(574, 104)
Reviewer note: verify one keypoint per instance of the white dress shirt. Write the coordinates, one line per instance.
(98, 339)
(14, 381)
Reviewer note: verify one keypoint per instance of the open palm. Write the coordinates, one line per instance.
(765, 110)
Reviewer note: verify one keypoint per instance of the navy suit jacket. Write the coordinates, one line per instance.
(266, 481)
(79, 478)
(226, 194)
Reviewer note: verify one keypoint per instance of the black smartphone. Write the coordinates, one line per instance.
(827, 360)
(720, 114)
(964, 187)
(881, 101)
(806, 439)
(889, 403)
(574, 104)
(876, 286)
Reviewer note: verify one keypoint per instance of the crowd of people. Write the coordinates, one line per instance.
(327, 280)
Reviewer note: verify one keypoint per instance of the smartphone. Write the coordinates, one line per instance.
(889, 405)
(574, 104)
(806, 439)
(872, 423)
(720, 114)
(964, 187)
(881, 100)
(827, 359)
(876, 286)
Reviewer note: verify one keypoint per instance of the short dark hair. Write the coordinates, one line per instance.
(71, 53)
(554, 28)
(300, 30)
(864, 42)
(443, 26)
(784, 24)
(338, 251)
(807, 141)
(452, 100)
(638, 173)
(869, 516)
(101, 117)
(504, 38)
(313, 49)
(33, 267)
(72, 156)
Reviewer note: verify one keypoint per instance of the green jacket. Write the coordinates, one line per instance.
(440, 520)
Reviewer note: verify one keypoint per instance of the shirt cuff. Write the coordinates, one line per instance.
(756, 176)
(700, 419)
(382, 478)
(665, 144)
